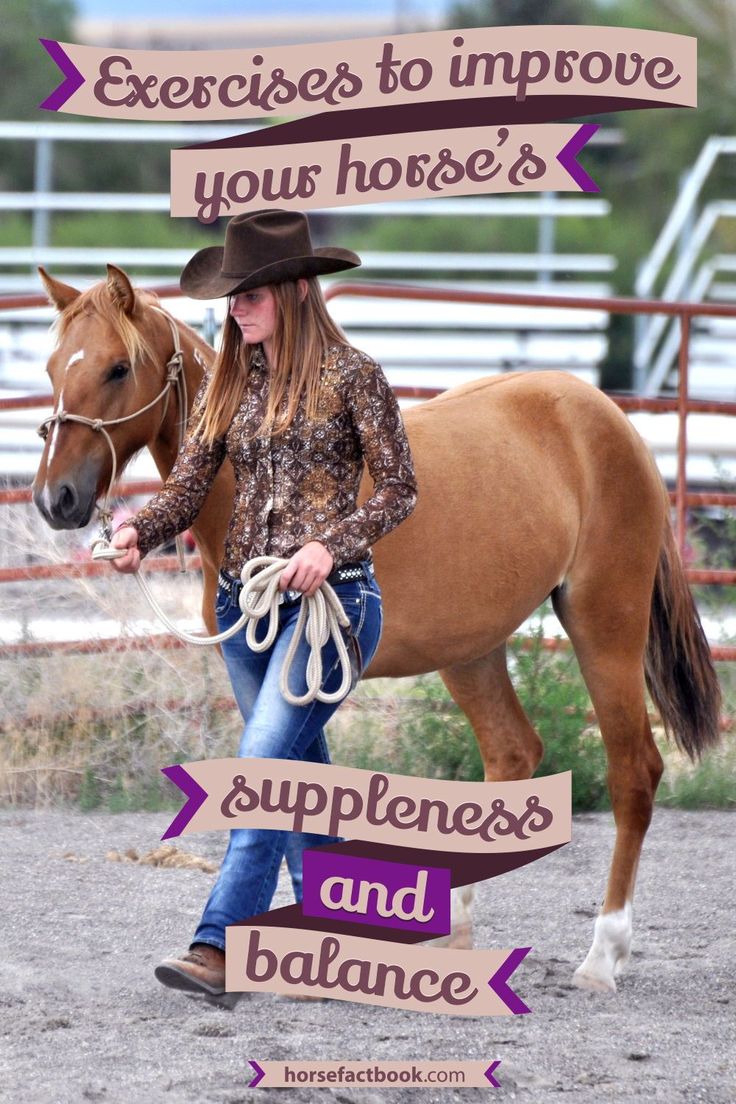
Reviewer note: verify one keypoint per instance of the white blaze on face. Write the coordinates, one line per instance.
(73, 359)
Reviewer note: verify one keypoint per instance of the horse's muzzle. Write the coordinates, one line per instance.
(66, 504)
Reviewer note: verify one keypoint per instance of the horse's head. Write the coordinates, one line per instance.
(109, 362)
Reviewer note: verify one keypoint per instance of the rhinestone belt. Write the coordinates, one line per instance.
(347, 573)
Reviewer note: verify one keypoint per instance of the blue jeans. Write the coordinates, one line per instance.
(276, 730)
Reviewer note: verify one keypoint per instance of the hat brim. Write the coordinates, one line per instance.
(202, 277)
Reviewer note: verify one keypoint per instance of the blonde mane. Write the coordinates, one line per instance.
(98, 300)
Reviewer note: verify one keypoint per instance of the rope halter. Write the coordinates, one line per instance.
(174, 379)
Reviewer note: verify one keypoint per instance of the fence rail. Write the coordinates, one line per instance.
(381, 261)
(682, 405)
(615, 305)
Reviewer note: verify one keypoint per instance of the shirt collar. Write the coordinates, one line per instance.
(258, 358)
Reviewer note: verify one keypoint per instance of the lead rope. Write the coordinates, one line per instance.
(320, 617)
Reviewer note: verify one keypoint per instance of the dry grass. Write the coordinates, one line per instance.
(166, 855)
(99, 726)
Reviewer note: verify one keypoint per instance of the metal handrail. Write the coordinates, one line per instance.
(681, 211)
(677, 285)
(673, 232)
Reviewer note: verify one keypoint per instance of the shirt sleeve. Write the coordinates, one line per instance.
(380, 428)
(176, 505)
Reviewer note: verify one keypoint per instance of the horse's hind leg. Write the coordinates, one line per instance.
(509, 747)
(608, 625)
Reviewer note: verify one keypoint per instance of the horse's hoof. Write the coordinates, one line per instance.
(609, 954)
(621, 964)
(302, 997)
(595, 983)
(459, 939)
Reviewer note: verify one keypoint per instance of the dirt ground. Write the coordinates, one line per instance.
(83, 1019)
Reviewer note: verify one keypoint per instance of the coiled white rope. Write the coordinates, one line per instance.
(321, 616)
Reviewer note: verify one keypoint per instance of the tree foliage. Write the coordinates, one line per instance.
(500, 13)
(29, 74)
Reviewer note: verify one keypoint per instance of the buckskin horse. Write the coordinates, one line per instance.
(531, 486)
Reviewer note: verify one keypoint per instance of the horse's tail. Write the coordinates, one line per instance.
(679, 671)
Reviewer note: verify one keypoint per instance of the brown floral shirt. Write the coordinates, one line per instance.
(303, 484)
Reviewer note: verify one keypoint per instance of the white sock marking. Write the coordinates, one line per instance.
(610, 950)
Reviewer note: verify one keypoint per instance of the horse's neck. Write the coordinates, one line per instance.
(196, 353)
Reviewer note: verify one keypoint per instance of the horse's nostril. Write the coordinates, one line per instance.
(67, 500)
(67, 505)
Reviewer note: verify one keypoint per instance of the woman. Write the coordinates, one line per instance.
(297, 410)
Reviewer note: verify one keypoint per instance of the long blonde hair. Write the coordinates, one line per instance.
(303, 331)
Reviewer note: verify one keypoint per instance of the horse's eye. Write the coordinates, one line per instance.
(117, 372)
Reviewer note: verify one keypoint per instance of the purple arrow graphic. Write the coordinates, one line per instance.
(569, 152)
(502, 974)
(489, 1073)
(73, 79)
(196, 797)
(260, 1073)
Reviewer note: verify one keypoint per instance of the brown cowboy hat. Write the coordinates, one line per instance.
(261, 247)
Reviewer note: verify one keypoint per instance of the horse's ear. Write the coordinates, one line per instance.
(61, 295)
(121, 289)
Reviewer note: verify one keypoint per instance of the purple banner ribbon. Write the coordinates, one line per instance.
(260, 1073)
(195, 794)
(489, 1073)
(409, 896)
(73, 79)
(568, 157)
(499, 982)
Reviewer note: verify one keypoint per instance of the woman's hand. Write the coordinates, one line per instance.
(127, 537)
(307, 569)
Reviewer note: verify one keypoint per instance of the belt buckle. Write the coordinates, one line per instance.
(289, 596)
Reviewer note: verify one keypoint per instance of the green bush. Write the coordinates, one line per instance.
(709, 785)
(90, 796)
(409, 727)
(436, 740)
(428, 735)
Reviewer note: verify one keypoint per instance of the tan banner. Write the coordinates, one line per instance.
(211, 182)
(518, 63)
(389, 1075)
(372, 971)
(401, 810)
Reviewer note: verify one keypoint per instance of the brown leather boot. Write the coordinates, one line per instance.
(200, 970)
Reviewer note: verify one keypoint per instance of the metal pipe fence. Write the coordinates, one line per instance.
(682, 405)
